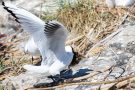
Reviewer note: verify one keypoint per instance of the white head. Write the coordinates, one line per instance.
(68, 49)
(76, 56)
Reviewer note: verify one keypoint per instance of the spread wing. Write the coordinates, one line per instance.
(50, 36)
(56, 34)
(28, 21)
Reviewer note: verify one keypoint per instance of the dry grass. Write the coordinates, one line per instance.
(89, 21)
(11, 59)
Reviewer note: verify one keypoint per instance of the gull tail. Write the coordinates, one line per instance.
(37, 69)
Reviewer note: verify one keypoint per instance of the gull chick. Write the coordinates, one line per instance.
(50, 39)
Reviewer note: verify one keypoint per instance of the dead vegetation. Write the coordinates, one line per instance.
(88, 23)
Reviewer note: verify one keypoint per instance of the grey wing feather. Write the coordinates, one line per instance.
(56, 34)
(51, 28)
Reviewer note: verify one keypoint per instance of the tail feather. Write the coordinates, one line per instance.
(37, 69)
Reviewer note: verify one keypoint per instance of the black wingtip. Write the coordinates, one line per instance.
(3, 3)
(10, 11)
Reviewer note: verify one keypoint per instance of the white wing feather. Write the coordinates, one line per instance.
(28, 21)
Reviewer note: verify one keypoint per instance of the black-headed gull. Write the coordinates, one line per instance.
(50, 39)
(124, 3)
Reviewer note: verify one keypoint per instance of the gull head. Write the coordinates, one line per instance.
(76, 55)
(68, 49)
(72, 53)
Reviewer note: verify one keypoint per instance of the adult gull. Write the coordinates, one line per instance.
(49, 38)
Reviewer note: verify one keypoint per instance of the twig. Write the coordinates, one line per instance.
(125, 82)
(87, 83)
(2, 71)
(107, 39)
(90, 75)
(110, 71)
(114, 53)
(74, 40)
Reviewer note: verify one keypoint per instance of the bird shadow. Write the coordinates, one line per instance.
(65, 75)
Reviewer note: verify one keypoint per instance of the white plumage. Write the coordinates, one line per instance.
(115, 3)
(31, 47)
(50, 40)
